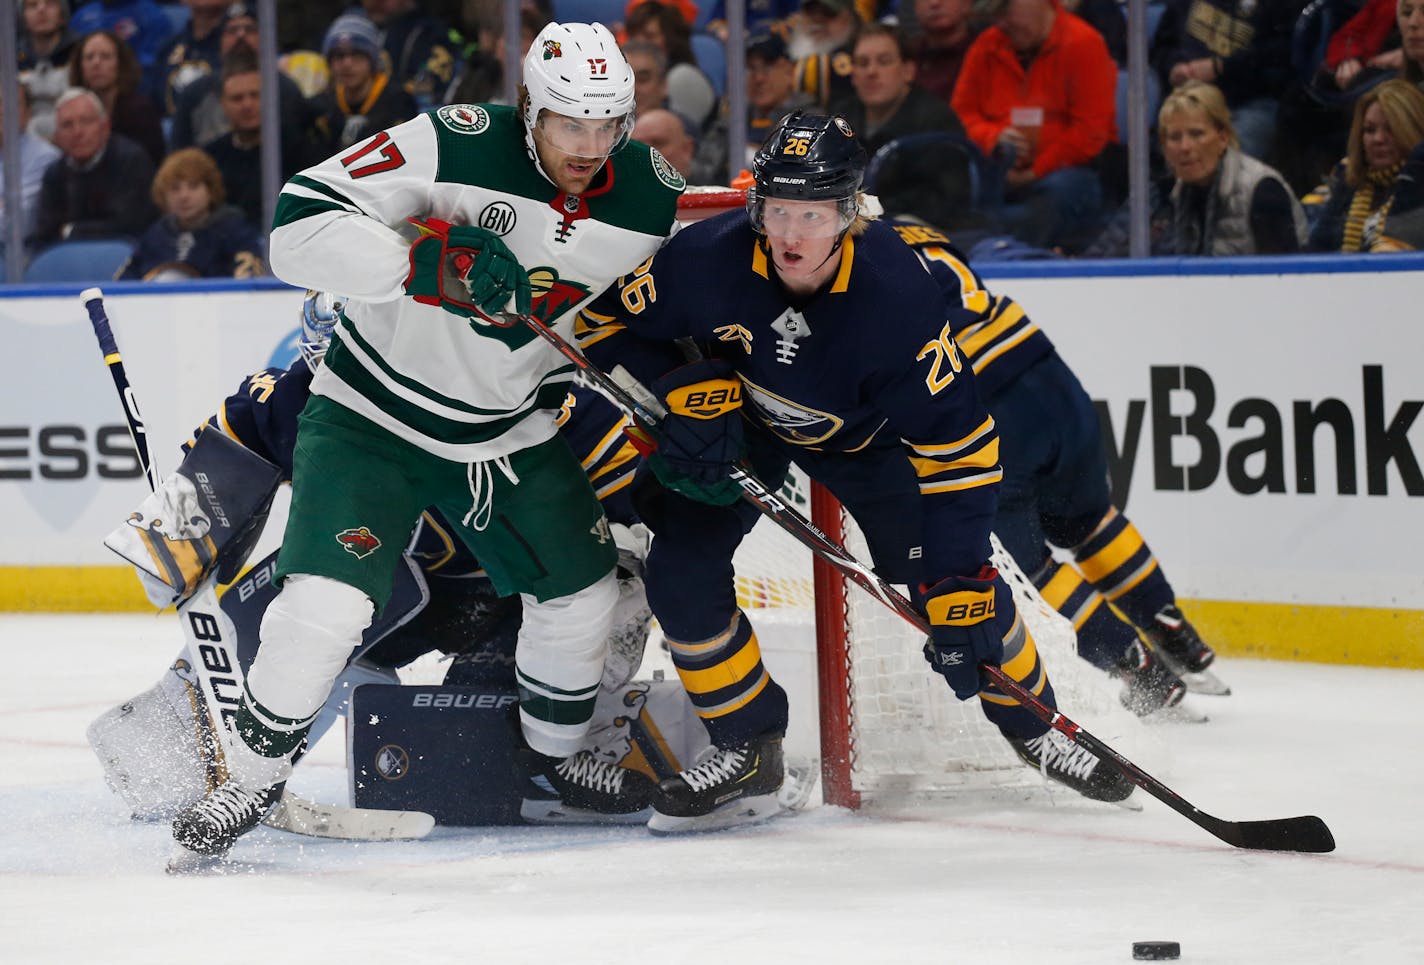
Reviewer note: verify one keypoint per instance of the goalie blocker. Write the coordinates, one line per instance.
(204, 518)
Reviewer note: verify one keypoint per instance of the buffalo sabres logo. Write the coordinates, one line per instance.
(392, 762)
(792, 327)
(552, 49)
(360, 542)
(844, 126)
(793, 422)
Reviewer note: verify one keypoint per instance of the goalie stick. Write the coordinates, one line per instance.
(1306, 833)
(292, 813)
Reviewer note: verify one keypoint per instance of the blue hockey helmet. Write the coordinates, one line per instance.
(808, 157)
(320, 311)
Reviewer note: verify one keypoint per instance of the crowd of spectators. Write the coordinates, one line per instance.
(141, 119)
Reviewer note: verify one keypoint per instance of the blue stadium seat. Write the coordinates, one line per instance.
(95, 260)
(712, 58)
(606, 12)
(178, 15)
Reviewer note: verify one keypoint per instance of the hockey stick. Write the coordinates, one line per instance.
(1306, 833)
(93, 300)
(292, 813)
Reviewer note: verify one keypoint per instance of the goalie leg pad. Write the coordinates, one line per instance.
(151, 749)
(558, 663)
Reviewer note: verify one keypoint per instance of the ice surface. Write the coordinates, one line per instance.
(1047, 882)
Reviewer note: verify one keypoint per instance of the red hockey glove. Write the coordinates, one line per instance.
(465, 270)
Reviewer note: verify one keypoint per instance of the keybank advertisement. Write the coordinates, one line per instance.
(1265, 431)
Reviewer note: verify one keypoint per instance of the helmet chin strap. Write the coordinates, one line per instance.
(765, 244)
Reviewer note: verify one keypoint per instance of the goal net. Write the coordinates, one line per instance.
(889, 726)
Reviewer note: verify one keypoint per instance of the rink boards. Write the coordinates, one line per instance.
(1264, 431)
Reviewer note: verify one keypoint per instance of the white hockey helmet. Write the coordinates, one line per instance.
(577, 70)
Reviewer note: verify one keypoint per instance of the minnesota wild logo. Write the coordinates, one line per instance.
(666, 173)
(552, 49)
(360, 542)
(552, 296)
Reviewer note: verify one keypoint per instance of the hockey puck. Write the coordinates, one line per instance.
(1156, 951)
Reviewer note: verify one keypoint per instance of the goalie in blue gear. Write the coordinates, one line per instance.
(1055, 491)
(829, 347)
(162, 749)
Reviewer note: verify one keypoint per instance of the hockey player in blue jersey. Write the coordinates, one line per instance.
(1055, 491)
(826, 344)
(462, 614)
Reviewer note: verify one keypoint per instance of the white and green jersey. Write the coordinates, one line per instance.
(462, 390)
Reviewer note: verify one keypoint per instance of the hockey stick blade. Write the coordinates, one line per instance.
(1305, 834)
(301, 816)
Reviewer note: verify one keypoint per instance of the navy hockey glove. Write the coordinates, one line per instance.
(701, 437)
(462, 268)
(964, 632)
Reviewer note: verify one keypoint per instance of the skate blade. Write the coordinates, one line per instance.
(801, 776)
(1185, 712)
(1198, 682)
(745, 811)
(556, 812)
(185, 862)
(1133, 802)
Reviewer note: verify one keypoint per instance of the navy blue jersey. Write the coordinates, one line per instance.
(865, 366)
(999, 339)
(262, 415)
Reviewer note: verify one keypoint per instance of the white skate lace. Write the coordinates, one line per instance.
(1062, 755)
(481, 478)
(714, 770)
(588, 771)
(228, 806)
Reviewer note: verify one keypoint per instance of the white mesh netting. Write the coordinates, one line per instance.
(908, 733)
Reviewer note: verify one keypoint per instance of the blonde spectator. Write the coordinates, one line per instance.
(1388, 124)
(1224, 202)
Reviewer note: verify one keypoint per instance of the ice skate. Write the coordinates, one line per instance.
(1071, 764)
(1182, 649)
(210, 826)
(1148, 685)
(581, 789)
(727, 787)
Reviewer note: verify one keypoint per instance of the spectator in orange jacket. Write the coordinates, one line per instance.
(1037, 93)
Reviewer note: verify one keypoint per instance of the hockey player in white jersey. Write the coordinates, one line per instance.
(422, 403)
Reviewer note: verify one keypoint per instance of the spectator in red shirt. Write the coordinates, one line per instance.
(946, 31)
(1037, 92)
